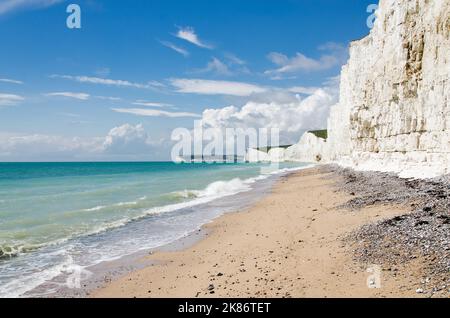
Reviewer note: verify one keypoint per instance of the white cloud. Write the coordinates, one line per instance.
(211, 87)
(156, 84)
(216, 66)
(154, 113)
(109, 82)
(234, 59)
(279, 77)
(11, 81)
(80, 96)
(177, 49)
(7, 6)
(292, 116)
(303, 90)
(110, 98)
(188, 34)
(231, 65)
(151, 104)
(10, 99)
(335, 55)
(38, 147)
(126, 142)
(127, 139)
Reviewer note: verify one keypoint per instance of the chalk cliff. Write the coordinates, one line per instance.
(394, 111)
(394, 108)
(310, 148)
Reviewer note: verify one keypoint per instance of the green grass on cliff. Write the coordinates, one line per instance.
(267, 149)
(320, 133)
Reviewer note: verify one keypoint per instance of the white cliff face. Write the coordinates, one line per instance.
(277, 155)
(254, 155)
(394, 108)
(274, 155)
(395, 93)
(309, 149)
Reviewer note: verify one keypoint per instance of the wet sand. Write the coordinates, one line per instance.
(289, 244)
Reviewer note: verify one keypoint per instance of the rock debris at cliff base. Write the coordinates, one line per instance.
(423, 235)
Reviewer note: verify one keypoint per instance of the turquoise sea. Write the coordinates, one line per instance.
(57, 215)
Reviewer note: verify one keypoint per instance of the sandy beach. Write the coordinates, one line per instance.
(290, 244)
(155, 150)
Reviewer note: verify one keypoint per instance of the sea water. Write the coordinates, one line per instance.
(57, 216)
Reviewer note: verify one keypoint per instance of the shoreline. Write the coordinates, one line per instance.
(110, 270)
(288, 244)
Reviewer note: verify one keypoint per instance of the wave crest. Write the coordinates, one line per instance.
(8, 252)
(225, 188)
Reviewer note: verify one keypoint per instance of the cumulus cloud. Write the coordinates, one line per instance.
(10, 81)
(303, 90)
(292, 116)
(39, 147)
(334, 55)
(80, 96)
(154, 113)
(109, 82)
(176, 48)
(127, 139)
(7, 6)
(10, 99)
(188, 34)
(211, 87)
(126, 142)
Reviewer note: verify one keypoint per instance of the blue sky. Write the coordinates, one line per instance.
(117, 87)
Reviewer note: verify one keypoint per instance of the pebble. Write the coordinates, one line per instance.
(422, 234)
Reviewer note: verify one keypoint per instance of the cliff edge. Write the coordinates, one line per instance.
(394, 113)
